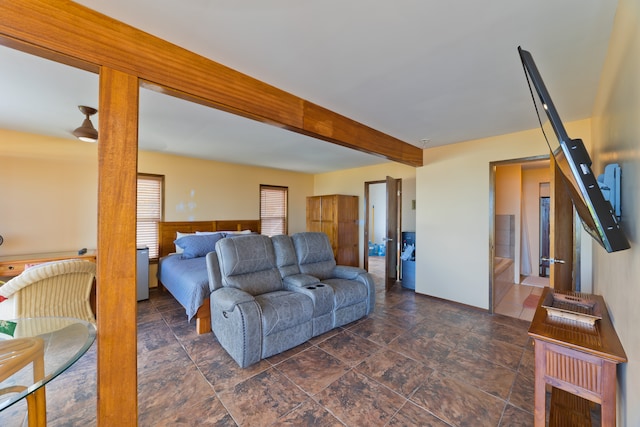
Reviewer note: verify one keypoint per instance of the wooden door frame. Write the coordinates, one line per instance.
(393, 235)
(492, 216)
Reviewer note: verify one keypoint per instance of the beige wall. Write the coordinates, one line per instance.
(616, 138)
(452, 220)
(351, 182)
(51, 184)
(50, 192)
(197, 190)
(508, 190)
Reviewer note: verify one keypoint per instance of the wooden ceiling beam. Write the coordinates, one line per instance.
(73, 30)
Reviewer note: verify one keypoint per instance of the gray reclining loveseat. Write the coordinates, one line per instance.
(271, 294)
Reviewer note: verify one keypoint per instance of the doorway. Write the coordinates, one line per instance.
(381, 230)
(516, 227)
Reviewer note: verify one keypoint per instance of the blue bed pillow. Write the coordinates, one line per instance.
(198, 245)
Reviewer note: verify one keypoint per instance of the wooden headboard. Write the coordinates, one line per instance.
(167, 230)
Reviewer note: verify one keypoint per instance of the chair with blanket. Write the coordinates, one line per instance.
(59, 288)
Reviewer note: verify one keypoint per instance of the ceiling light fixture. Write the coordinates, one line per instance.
(86, 132)
(424, 142)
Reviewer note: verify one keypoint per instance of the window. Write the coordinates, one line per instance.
(150, 206)
(273, 210)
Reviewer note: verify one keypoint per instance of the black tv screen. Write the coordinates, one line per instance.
(573, 160)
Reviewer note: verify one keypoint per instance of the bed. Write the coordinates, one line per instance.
(186, 278)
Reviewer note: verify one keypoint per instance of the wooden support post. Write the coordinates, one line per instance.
(116, 257)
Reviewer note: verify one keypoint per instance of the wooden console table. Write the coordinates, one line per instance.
(577, 358)
(13, 265)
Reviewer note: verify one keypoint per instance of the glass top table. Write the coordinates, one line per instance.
(37, 351)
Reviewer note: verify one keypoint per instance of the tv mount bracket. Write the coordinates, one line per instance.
(609, 183)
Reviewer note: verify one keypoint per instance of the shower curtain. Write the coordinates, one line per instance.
(525, 250)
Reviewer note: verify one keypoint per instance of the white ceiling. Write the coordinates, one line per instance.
(414, 69)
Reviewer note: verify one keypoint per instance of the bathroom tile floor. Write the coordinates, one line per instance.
(513, 302)
(415, 361)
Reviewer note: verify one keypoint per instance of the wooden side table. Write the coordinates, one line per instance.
(13, 265)
(576, 357)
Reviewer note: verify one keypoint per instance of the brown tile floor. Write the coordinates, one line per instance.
(415, 361)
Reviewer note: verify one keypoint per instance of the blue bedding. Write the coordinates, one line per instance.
(186, 279)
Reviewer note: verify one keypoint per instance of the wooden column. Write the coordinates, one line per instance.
(116, 261)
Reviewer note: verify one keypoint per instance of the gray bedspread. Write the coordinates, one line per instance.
(186, 279)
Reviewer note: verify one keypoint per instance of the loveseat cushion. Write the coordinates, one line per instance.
(287, 263)
(314, 253)
(286, 259)
(347, 292)
(248, 262)
(283, 310)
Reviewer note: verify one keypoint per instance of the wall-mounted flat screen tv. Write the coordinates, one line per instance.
(573, 160)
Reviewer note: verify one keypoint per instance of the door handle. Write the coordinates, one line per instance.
(553, 260)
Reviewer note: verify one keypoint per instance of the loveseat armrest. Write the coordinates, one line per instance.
(236, 321)
(226, 299)
(213, 271)
(347, 272)
(299, 280)
(361, 275)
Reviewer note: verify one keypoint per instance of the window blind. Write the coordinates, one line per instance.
(273, 210)
(149, 211)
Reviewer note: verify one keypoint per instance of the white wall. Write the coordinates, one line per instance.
(452, 219)
(377, 213)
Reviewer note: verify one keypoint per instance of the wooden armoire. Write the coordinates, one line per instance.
(337, 216)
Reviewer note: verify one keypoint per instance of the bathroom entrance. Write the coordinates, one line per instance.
(382, 229)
